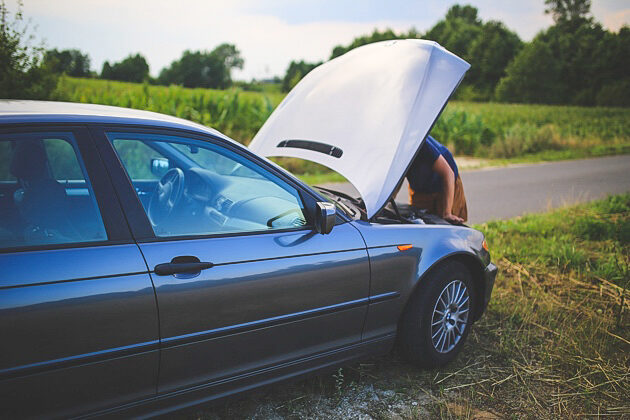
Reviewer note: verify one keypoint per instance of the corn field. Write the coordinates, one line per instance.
(489, 130)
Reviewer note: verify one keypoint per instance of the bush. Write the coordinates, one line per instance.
(22, 72)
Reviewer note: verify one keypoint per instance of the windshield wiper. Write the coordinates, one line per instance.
(338, 194)
(337, 200)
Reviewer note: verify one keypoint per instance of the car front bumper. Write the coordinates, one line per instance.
(489, 275)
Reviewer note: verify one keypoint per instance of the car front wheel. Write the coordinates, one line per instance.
(438, 316)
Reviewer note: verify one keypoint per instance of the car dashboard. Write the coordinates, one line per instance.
(230, 203)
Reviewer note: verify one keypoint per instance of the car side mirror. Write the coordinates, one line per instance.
(326, 217)
(159, 166)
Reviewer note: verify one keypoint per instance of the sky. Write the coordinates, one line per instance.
(269, 33)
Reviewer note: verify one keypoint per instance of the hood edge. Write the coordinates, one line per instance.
(400, 181)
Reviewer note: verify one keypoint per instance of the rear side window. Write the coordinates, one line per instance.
(63, 161)
(45, 195)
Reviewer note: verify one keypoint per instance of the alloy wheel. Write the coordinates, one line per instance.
(450, 316)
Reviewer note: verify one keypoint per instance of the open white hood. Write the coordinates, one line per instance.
(365, 113)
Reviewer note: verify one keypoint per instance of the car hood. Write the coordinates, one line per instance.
(365, 114)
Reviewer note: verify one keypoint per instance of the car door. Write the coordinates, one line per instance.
(78, 317)
(262, 288)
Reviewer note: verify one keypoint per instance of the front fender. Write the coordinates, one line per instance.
(398, 273)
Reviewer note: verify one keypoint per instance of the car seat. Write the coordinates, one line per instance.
(41, 200)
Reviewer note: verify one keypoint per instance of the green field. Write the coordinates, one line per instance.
(234, 112)
(501, 132)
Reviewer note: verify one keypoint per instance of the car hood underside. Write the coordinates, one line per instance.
(365, 114)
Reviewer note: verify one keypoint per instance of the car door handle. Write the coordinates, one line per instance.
(180, 265)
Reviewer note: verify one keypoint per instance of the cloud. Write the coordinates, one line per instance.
(614, 21)
(268, 42)
(161, 30)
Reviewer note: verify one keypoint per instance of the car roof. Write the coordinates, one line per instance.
(23, 111)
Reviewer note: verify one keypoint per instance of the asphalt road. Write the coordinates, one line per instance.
(503, 193)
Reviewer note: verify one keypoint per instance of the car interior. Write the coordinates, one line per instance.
(195, 190)
(36, 206)
(185, 190)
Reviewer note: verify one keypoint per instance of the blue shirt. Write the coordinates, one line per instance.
(420, 175)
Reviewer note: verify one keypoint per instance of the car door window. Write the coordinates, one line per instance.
(137, 157)
(200, 188)
(45, 196)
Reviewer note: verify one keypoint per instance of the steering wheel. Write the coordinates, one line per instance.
(167, 195)
(281, 215)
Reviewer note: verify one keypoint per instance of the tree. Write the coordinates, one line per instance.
(299, 69)
(71, 62)
(466, 13)
(488, 47)
(590, 56)
(107, 72)
(532, 77)
(457, 31)
(489, 54)
(375, 36)
(132, 69)
(296, 71)
(22, 72)
(615, 87)
(581, 52)
(575, 61)
(568, 10)
(204, 69)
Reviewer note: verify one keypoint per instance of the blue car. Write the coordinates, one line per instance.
(151, 264)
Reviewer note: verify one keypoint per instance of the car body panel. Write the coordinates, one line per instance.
(392, 269)
(70, 316)
(167, 403)
(365, 114)
(68, 113)
(276, 285)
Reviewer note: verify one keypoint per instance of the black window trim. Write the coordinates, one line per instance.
(136, 215)
(111, 213)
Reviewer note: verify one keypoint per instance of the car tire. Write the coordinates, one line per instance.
(438, 316)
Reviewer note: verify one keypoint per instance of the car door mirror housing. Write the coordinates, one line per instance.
(159, 166)
(326, 217)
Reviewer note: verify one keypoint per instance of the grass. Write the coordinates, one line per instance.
(554, 342)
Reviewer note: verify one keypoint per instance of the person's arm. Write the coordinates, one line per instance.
(442, 168)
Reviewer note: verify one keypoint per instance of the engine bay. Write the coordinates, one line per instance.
(392, 213)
